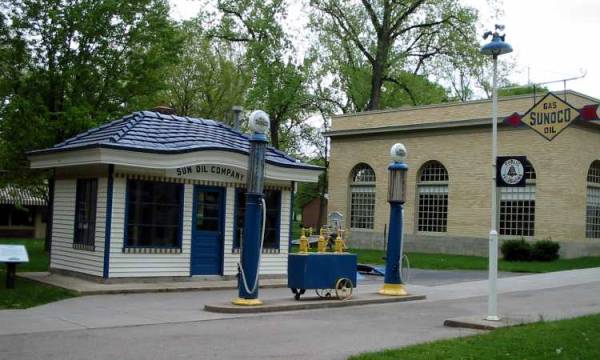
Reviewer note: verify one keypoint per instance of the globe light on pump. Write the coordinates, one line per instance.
(398, 152)
(259, 122)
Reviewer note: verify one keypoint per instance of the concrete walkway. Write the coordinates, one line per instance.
(172, 325)
(87, 287)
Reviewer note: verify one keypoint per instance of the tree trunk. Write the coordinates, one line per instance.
(376, 83)
(274, 128)
(379, 72)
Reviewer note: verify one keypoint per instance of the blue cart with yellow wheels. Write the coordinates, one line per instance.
(331, 275)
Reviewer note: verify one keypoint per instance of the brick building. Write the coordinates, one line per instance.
(448, 190)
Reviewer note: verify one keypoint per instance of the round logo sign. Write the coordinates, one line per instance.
(512, 171)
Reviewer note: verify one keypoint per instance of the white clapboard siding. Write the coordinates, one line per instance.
(270, 264)
(63, 256)
(146, 265)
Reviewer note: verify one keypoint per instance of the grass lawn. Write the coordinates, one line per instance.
(29, 293)
(462, 262)
(566, 339)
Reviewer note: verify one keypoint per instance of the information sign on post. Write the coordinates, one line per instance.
(12, 255)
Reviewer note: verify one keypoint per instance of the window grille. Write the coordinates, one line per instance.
(433, 171)
(362, 197)
(592, 227)
(154, 214)
(273, 202)
(432, 191)
(517, 207)
(85, 214)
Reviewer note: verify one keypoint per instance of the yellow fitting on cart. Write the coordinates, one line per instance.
(304, 244)
(322, 244)
(340, 245)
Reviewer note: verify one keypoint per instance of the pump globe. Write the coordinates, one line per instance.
(398, 152)
(259, 121)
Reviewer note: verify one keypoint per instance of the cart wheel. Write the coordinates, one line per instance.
(297, 293)
(343, 289)
(324, 293)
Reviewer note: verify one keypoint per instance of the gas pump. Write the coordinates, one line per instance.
(255, 216)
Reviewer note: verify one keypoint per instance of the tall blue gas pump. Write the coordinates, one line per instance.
(396, 197)
(254, 220)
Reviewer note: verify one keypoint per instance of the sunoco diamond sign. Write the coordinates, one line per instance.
(550, 116)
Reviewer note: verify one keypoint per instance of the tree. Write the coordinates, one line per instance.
(79, 63)
(514, 89)
(210, 78)
(385, 40)
(279, 83)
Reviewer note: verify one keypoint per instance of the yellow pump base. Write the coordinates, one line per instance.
(393, 290)
(247, 302)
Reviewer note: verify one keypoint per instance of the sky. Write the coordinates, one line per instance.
(552, 39)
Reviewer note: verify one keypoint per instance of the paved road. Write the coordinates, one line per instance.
(176, 328)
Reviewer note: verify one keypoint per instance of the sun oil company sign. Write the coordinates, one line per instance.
(550, 116)
(208, 172)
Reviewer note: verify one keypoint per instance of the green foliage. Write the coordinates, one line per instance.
(74, 65)
(516, 250)
(565, 339)
(376, 51)
(465, 262)
(278, 84)
(545, 250)
(29, 293)
(210, 78)
(513, 90)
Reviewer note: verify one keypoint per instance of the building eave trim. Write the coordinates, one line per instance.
(412, 127)
(94, 156)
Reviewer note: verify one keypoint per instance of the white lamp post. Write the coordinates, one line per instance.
(496, 47)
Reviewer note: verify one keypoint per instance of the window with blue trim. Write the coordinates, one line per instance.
(273, 202)
(154, 214)
(85, 214)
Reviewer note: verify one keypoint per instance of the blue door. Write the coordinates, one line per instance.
(207, 231)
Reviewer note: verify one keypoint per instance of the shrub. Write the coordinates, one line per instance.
(516, 250)
(545, 250)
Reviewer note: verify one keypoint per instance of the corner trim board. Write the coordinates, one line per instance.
(107, 227)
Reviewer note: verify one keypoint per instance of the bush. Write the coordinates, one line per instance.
(516, 250)
(545, 250)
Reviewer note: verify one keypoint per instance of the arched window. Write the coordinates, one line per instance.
(432, 190)
(517, 207)
(362, 197)
(592, 219)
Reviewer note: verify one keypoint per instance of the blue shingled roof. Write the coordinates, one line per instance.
(148, 131)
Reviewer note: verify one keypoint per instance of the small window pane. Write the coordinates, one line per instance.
(592, 217)
(153, 214)
(362, 197)
(85, 213)
(207, 212)
(517, 211)
(22, 217)
(432, 189)
(273, 202)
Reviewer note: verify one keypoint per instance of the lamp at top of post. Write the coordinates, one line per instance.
(497, 46)
(397, 177)
(259, 122)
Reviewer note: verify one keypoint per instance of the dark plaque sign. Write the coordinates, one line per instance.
(510, 171)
